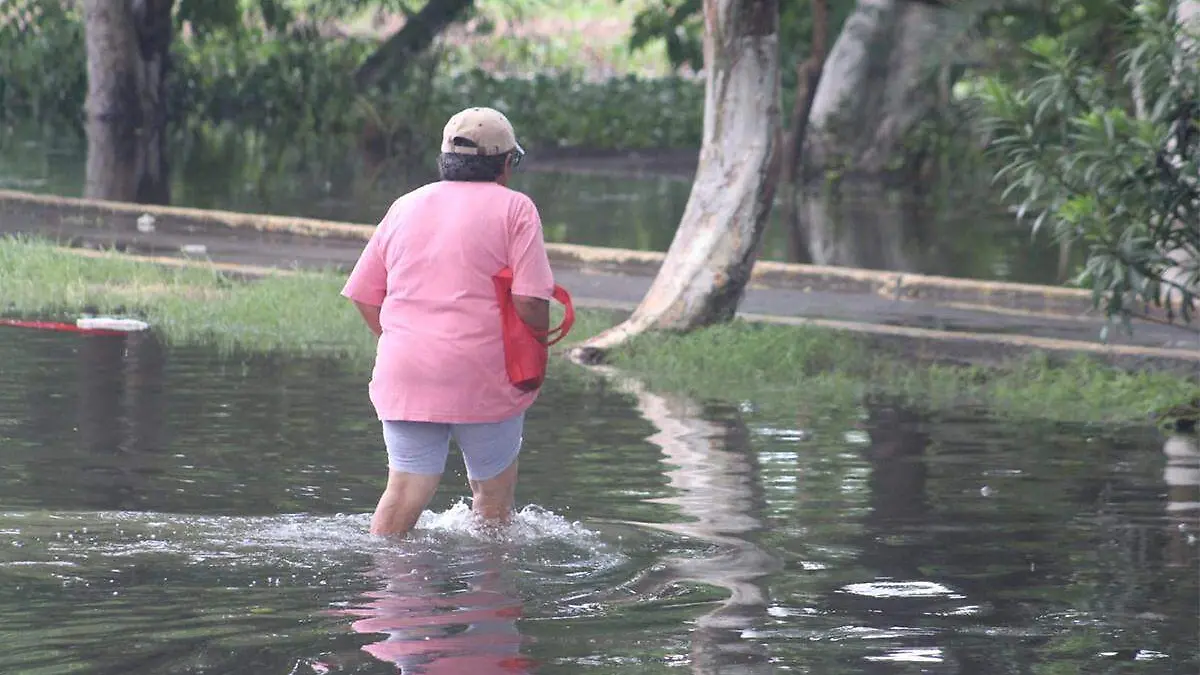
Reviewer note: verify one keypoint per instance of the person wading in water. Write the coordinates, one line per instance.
(424, 286)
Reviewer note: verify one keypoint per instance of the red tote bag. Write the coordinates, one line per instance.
(525, 356)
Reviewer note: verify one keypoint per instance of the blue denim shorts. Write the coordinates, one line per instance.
(422, 447)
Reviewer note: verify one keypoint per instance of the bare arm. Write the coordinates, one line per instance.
(535, 312)
(370, 314)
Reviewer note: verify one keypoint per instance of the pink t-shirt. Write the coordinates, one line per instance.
(429, 265)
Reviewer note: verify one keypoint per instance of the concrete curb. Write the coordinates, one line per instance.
(922, 343)
(768, 274)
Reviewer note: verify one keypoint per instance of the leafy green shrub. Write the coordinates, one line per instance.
(1117, 171)
(43, 74)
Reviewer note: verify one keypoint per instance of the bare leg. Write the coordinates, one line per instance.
(403, 500)
(493, 498)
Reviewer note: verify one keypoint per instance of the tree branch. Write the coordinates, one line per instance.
(394, 55)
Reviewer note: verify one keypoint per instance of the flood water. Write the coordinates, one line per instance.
(173, 511)
(953, 232)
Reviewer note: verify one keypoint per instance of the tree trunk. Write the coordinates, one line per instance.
(127, 50)
(809, 78)
(394, 55)
(878, 81)
(1184, 270)
(708, 264)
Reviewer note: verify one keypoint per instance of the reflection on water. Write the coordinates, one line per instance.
(938, 231)
(120, 385)
(167, 510)
(713, 468)
(1182, 478)
(441, 611)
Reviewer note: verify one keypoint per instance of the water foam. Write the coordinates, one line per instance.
(299, 540)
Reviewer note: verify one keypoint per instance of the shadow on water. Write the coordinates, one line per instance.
(170, 510)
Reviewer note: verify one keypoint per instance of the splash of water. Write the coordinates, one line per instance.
(298, 540)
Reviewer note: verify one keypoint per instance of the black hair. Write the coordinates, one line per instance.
(474, 168)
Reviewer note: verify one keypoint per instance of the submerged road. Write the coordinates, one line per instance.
(201, 236)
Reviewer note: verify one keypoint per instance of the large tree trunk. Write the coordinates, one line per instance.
(879, 80)
(808, 79)
(708, 265)
(127, 50)
(395, 54)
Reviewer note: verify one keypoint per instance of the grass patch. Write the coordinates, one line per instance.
(780, 369)
(302, 313)
(786, 367)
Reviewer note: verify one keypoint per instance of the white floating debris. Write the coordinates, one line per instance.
(145, 223)
(111, 323)
(194, 249)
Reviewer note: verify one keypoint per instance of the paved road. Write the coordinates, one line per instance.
(616, 290)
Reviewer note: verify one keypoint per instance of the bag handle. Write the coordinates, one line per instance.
(563, 297)
(554, 335)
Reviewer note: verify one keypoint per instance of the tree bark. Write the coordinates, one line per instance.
(394, 55)
(708, 264)
(809, 78)
(127, 44)
(878, 81)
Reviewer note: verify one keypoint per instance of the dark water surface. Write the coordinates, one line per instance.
(947, 232)
(172, 511)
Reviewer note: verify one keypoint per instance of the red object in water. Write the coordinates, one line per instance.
(525, 355)
(59, 326)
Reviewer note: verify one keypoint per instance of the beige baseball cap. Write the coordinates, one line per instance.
(480, 131)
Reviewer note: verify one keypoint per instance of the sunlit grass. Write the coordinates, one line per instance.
(774, 368)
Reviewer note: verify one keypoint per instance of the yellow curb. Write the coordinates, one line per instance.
(770, 274)
(308, 227)
(1022, 341)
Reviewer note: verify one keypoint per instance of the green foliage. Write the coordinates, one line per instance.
(680, 24)
(290, 90)
(266, 67)
(1079, 161)
(266, 81)
(42, 73)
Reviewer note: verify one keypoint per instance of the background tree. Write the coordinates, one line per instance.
(420, 29)
(127, 48)
(878, 82)
(708, 264)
